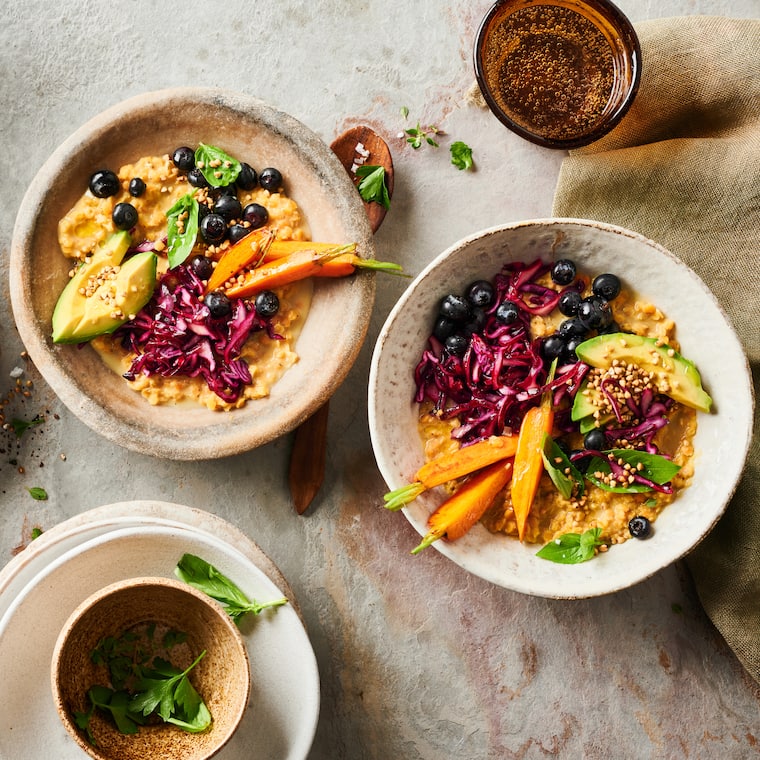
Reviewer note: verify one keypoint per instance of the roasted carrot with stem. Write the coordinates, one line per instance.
(247, 252)
(462, 510)
(451, 466)
(529, 463)
(337, 262)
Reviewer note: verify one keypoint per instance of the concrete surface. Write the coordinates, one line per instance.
(418, 659)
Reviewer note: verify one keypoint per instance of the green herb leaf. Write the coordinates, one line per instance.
(654, 467)
(572, 548)
(116, 703)
(182, 229)
(21, 426)
(418, 135)
(372, 185)
(36, 532)
(564, 474)
(205, 577)
(461, 155)
(404, 112)
(218, 167)
(38, 494)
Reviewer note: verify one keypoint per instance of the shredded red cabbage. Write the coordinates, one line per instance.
(175, 335)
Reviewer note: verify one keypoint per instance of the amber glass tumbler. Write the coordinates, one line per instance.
(560, 73)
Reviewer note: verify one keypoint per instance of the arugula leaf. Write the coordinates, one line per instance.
(653, 467)
(564, 474)
(572, 548)
(461, 155)
(37, 493)
(372, 186)
(182, 229)
(21, 426)
(205, 577)
(218, 167)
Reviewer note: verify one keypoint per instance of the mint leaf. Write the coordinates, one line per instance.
(372, 185)
(572, 548)
(461, 155)
(182, 229)
(218, 167)
(206, 578)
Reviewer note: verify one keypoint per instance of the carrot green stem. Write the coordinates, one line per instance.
(399, 498)
(429, 538)
(381, 266)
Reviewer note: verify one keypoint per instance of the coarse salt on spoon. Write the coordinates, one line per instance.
(358, 146)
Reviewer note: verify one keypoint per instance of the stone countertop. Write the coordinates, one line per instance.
(418, 659)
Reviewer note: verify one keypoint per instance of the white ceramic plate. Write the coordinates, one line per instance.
(705, 335)
(282, 716)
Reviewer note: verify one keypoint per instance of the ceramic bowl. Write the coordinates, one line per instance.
(153, 124)
(705, 335)
(222, 677)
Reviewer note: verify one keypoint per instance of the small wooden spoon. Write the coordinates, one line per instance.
(307, 457)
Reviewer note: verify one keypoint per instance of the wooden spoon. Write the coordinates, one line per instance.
(307, 457)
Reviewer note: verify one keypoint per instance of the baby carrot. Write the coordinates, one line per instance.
(246, 252)
(451, 466)
(462, 510)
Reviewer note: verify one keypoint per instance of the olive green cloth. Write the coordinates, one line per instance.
(683, 168)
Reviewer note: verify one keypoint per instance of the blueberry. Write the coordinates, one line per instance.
(569, 355)
(196, 179)
(137, 187)
(184, 158)
(612, 327)
(569, 301)
(563, 272)
(237, 232)
(595, 439)
(508, 312)
(218, 304)
(562, 446)
(580, 463)
(572, 328)
(594, 312)
(456, 308)
(478, 321)
(270, 179)
(457, 344)
(606, 286)
(104, 183)
(202, 267)
(228, 206)
(124, 216)
(552, 347)
(213, 229)
(267, 303)
(480, 293)
(247, 179)
(256, 215)
(443, 328)
(640, 527)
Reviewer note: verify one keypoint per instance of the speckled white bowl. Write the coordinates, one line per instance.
(706, 337)
(156, 123)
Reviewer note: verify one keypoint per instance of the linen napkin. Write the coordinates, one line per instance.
(683, 168)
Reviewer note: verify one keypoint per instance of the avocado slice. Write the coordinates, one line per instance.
(114, 296)
(674, 375)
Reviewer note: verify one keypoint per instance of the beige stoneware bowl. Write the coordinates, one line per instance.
(705, 335)
(222, 677)
(153, 124)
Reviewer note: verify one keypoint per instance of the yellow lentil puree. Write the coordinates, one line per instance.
(551, 515)
(89, 223)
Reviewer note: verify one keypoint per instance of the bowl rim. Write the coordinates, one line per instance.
(228, 439)
(625, 30)
(457, 551)
(148, 582)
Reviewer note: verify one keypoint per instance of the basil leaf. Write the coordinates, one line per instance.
(218, 167)
(564, 474)
(372, 185)
(654, 467)
(182, 229)
(572, 548)
(461, 155)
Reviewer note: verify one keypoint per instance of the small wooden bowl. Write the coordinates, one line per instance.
(222, 677)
